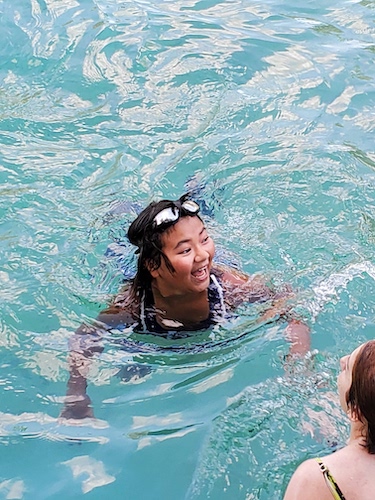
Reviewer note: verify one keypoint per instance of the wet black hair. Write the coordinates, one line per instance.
(144, 234)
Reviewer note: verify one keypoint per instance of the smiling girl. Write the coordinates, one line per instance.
(177, 289)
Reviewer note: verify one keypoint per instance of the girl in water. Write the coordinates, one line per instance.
(177, 288)
(350, 472)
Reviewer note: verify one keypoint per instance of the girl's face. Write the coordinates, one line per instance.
(344, 379)
(190, 251)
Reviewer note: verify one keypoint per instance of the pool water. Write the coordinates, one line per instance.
(268, 109)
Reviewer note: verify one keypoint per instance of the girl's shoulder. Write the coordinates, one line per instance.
(308, 483)
(240, 287)
(360, 484)
(235, 277)
(238, 277)
(123, 309)
(229, 274)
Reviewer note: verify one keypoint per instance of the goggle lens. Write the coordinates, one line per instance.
(171, 214)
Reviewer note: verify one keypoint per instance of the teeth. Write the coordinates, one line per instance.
(200, 270)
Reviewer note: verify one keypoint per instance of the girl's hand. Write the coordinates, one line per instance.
(77, 407)
(298, 334)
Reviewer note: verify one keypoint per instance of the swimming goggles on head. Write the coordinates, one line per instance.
(173, 213)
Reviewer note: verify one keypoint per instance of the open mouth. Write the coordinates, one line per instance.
(201, 273)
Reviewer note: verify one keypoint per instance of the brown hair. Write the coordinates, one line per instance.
(361, 395)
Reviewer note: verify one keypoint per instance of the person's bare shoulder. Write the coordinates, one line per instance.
(307, 483)
(123, 310)
(239, 278)
(241, 287)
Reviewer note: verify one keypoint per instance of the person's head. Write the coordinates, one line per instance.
(170, 234)
(356, 383)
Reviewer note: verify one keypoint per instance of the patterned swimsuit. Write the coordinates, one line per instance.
(147, 320)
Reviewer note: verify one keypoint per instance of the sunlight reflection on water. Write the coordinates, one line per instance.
(105, 105)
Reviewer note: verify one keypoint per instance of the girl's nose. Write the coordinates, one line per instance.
(201, 255)
(343, 362)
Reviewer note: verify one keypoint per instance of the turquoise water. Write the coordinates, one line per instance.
(270, 106)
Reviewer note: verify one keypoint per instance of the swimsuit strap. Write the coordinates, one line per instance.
(220, 293)
(147, 320)
(330, 482)
(142, 312)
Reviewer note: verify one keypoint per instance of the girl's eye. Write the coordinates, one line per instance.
(185, 250)
(205, 239)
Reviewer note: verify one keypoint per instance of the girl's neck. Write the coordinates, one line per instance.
(357, 433)
(162, 294)
(189, 309)
(160, 297)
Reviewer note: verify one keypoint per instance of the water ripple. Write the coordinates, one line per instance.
(266, 109)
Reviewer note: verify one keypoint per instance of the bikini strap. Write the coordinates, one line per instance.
(330, 482)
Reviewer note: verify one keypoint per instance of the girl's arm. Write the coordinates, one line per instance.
(84, 344)
(241, 288)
